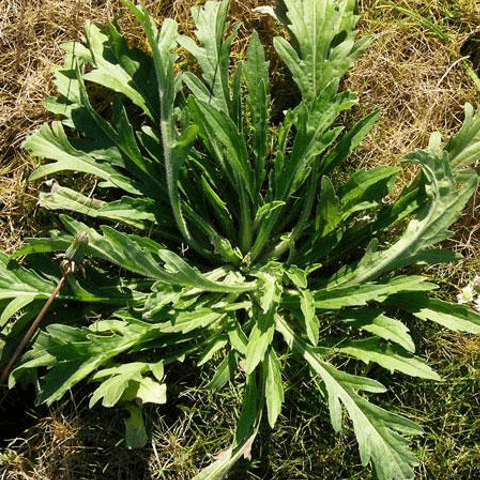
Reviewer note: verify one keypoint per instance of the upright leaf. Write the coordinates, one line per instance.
(213, 56)
(324, 47)
(257, 77)
(447, 197)
(260, 339)
(463, 147)
(175, 146)
(312, 324)
(274, 394)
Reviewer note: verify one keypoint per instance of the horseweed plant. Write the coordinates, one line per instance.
(228, 239)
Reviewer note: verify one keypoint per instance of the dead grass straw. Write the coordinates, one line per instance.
(416, 80)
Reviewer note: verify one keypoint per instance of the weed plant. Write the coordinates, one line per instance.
(224, 238)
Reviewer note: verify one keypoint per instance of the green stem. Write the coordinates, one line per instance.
(246, 223)
(298, 229)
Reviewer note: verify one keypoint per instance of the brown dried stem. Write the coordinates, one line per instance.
(33, 327)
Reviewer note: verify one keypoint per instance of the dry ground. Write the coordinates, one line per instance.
(413, 73)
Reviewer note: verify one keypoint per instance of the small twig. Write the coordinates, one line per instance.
(34, 326)
(73, 257)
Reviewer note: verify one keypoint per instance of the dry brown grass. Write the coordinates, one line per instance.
(51, 443)
(72, 443)
(415, 78)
